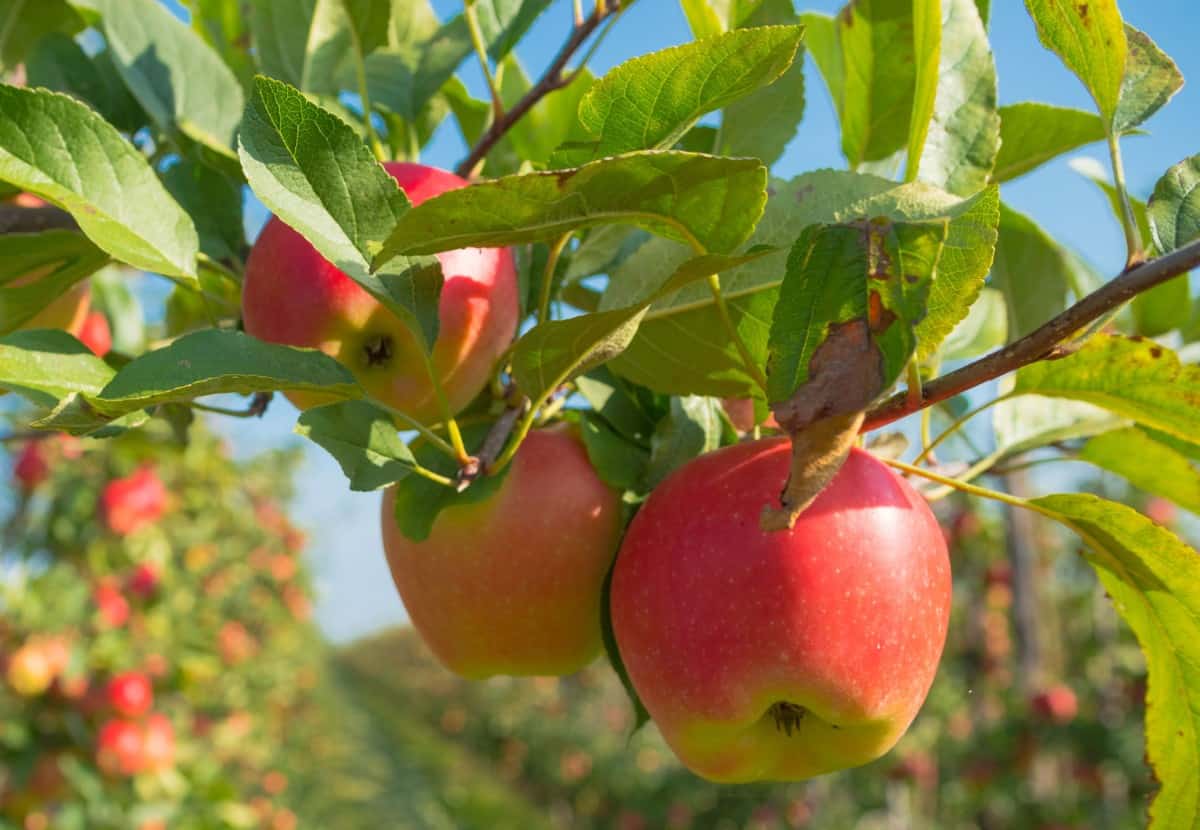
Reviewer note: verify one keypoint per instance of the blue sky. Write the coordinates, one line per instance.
(356, 591)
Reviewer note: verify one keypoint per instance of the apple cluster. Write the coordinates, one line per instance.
(760, 655)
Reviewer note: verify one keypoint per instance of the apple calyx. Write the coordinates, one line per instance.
(818, 451)
(378, 350)
(787, 716)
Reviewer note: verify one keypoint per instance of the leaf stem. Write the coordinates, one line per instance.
(427, 433)
(481, 52)
(437, 478)
(714, 284)
(556, 249)
(955, 426)
(1133, 237)
(219, 267)
(364, 97)
(970, 489)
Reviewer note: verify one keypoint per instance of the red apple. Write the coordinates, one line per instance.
(95, 333)
(512, 584)
(133, 502)
(1057, 704)
(158, 743)
(293, 295)
(781, 656)
(120, 748)
(31, 467)
(143, 580)
(111, 604)
(30, 670)
(235, 643)
(130, 694)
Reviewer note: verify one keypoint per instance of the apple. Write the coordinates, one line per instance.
(512, 584)
(30, 670)
(95, 333)
(120, 748)
(31, 467)
(158, 743)
(781, 655)
(143, 580)
(130, 694)
(111, 604)
(235, 644)
(128, 504)
(1056, 704)
(293, 295)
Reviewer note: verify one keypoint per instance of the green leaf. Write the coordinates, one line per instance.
(504, 22)
(45, 365)
(640, 715)
(620, 463)
(683, 196)
(691, 428)
(280, 31)
(1164, 307)
(215, 203)
(60, 64)
(1132, 377)
(412, 21)
(362, 438)
(704, 20)
(314, 173)
(551, 120)
(1153, 580)
(178, 79)
(419, 501)
(984, 329)
(1151, 80)
(680, 347)
(927, 36)
(553, 352)
(762, 123)
(844, 328)
(404, 79)
(1032, 271)
(57, 148)
(964, 137)
(1032, 134)
(1147, 464)
(824, 44)
(224, 25)
(603, 248)
(623, 406)
(1174, 209)
(878, 77)
(651, 101)
(57, 259)
(112, 296)
(208, 362)
(24, 22)
(1089, 37)
(1027, 422)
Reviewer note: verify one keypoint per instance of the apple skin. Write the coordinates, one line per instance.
(717, 622)
(130, 503)
(293, 295)
(120, 748)
(158, 743)
(130, 694)
(31, 467)
(512, 584)
(30, 670)
(95, 333)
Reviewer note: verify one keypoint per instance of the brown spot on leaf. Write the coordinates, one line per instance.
(844, 375)
(1156, 352)
(879, 316)
(1083, 13)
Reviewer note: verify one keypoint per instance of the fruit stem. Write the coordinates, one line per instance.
(514, 443)
(1133, 238)
(714, 284)
(556, 249)
(481, 52)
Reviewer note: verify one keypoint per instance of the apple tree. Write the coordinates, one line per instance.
(611, 317)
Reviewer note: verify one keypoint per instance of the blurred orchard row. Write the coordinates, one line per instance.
(160, 671)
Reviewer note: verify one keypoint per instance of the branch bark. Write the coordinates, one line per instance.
(1041, 342)
(19, 219)
(551, 80)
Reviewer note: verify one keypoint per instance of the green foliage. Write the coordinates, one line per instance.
(1090, 39)
(1174, 210)
(1032, 134)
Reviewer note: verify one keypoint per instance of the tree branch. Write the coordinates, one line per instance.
(18, 219)
(1041, 342)
(551, 80)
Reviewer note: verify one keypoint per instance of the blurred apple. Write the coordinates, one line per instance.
(31, 467)
(1162, 511)
(1057, 704)
(133, 502)
(158, 743)
(144, 579)
(235, 644)
(111, 604)
(130, 694)
(120, 748)
(95, 333)
(30, 671)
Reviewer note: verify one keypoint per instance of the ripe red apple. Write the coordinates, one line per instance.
(95, 333)
(293, 295)
(143, 580)
(781, 656)
(31, 467)
(133, 502)
(120, 748)
(158, 743)
(111, 604)
(512, 584)
(1057, 704)
(130, 694)
(30, 670)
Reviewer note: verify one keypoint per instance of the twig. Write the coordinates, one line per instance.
(1042, 341)
(256, 409)
(18, 219)
(552, 79)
